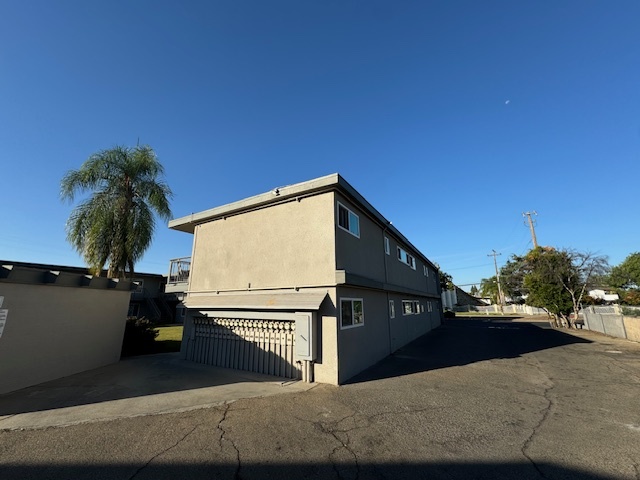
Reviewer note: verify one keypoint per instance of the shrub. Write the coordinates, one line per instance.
(631, 312)
(449, 314)
(139, 337)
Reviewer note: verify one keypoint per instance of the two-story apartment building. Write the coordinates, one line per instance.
(307, 280)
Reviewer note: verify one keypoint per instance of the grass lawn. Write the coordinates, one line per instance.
(168, 339)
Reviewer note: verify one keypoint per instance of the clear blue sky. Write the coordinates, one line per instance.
(450, 117)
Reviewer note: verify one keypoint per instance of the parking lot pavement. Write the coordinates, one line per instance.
(144, 385)
(477, 398)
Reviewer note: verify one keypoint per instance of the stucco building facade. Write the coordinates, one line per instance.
(307, 280)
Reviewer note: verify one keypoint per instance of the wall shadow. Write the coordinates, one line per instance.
(461, 341)
(131, 377)
(300, 470)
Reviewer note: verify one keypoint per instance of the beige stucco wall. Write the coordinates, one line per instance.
(283, 245)
(365, 256)
(363, 346)
(632, 327)
(326, 366)
(53, 331)
(406, 328)
(399, 273)
(362, 256)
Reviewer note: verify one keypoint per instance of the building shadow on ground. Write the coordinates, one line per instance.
(462, 341)
(301, 470)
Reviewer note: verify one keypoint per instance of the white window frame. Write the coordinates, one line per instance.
(350, 214)
(426, 270)
(411, 305)
(387, 246)
(139, 285)
(351, 300)
(429, 306)
(416, 307)
(392, 309)
(406, 258)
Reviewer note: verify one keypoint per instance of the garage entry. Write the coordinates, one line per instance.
(251, 332)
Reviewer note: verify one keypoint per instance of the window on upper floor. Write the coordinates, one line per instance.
(349, 221)
(387, 248)
(351, 312)
(407, 258)
(392, 309)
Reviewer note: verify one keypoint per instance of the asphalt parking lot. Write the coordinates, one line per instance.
(477, 398)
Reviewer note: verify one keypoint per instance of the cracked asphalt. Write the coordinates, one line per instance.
(478, 398)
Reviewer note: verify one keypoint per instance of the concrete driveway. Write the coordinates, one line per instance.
(145, 385)
(476, 399)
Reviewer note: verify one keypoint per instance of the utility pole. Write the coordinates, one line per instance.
(495, 263)
(531, 227)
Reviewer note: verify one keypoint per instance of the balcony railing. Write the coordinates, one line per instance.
(179, 269)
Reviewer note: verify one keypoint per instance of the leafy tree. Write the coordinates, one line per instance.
(473, 291)
(115, 224)
(545, 272)
(557, 280)
(627, 274)
(630, 297)
(489, 288)
(512, 278)
(446, 281)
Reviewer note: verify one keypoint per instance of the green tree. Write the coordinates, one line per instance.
(115, 224)
(557, 280)
(489, 288)
(446, 281)
(627, 274)
(473, 291)
(512, 278)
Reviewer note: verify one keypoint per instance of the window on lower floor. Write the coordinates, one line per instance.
(134, 310)
(408, 307)
(392, 309)
(351, 312)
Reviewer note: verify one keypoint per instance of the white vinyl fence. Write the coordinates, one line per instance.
(506, 309)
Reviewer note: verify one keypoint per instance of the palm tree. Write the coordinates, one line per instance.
(116, 223)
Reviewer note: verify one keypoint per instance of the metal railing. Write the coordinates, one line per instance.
(179, 269)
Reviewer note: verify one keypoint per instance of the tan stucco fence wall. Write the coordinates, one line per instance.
(53, 331)
(632, 327)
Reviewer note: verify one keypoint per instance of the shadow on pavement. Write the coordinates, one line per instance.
(362, 470)
(139, 378)
(461, 341)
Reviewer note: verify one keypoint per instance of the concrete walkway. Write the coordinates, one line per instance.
(145, 385)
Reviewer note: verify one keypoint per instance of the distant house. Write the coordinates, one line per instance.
(602, 295)
(148, 298)
(307, 280)
(456, 297)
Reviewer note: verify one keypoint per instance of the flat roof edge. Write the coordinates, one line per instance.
(278, 194)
